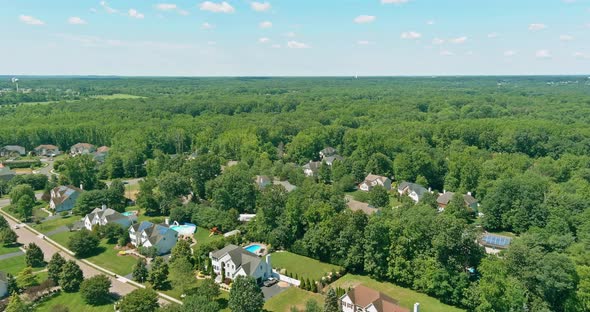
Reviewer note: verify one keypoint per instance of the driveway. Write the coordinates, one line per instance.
(46, 170)
(273, 290)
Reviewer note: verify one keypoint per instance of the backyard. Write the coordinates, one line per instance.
(50, 225)
(202, 236)
(73, 301)
(405, 296)
(293, 296)
(110, 260)
(302, 266)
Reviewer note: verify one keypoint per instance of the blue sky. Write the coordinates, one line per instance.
(295, 37)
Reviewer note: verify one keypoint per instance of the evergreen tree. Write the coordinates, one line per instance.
(71, 277)
(158, 276)
(26, 278)
(11, 284)
(15, 304)
(140, 271)
(55, 267)
(34, 256)
(139, 300)
(331, 301)
(245, 295)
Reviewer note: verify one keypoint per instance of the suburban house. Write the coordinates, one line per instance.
(327, 152)
(5, 173)
(373, 180)
(103, 216)
(233, 261)
(413, 190)
(365, 299)
(311, 169)
(494, 243)
(329, 160)
(288, 186)
(101, 153)
(12, 151)
(46, 150)
(147, 234)
(444, 199)
(82, 149)
(3, 284)
(63, 198)
(262, 181)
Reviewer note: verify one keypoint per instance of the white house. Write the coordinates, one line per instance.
(373, 180)
(311, 169)
(3, 284)
(63, 198)
(103, 216)
(234, 261)
(413, 190)
(365, 299)
(147, 234)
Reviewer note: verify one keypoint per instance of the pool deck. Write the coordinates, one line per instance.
(261, 251)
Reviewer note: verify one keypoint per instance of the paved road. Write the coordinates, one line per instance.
(47, 169)
(12, 254)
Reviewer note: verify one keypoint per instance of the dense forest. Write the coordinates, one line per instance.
(520, 145)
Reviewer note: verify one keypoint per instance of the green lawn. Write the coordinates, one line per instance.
(14, 265)
(293, 296)
(110, 260)
(74, 302)
(51, 225)
(406, 297)
(359, 195)
(302, 266)
(117, 96)
(40, 214)
(62, 238)
(202, 236)
(6, 250)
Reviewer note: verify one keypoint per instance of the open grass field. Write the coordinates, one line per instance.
(62, 238)
(292, 297)
(74, 302)
(302, 266)
(117, 96)
(14, 265)
(8, 249)
(202, 236)
(110, 260)
(405, 296)
(51, 225)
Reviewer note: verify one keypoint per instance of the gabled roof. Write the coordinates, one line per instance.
(83, 145)
(312, 165)
(46, 146)
(14, 148)
(364, 296)
(374, 177)
(331, 159)
(154, 232)
(64, 191)
(445, 198)
(412, 187)
(240, 257)
(103, 149)
(4, 170)
(328, 151)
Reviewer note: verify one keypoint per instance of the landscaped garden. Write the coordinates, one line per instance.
(301, 266)
(405, 296)
(202, 235)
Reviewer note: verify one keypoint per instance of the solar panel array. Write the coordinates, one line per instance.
(496, 240)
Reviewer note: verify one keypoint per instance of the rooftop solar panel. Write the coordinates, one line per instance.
(496, 240)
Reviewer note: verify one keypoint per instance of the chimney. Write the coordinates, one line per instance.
(81, 186)
(444, 191)
(167, 221)
(429, 189)
(269, 265)
(416, 307)
(103, 207)
(469, 193)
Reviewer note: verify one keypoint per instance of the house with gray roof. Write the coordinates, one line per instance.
(46, 150)
(147, 234)
(3, 284)
(311, 169)
(12, 151)
(446, 197)
(327, 152)
(233, 261)
(329, 160)
(63, 198)
(5, 173)
(82, 149)
(103, 216)
(373, 180)
(413, 190)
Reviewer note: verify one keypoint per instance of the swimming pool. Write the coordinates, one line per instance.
(253, 248)
(186, 229)
(129, 213)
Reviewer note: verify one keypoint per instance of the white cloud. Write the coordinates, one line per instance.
(297, 45)
(276, 46)
(581, 55)
(394, 1)
(290, 34)
(74, 20)
(363, 42)
(493, 35)
(265, 24)
(27, 19)
(364, 19)
(438, 41)
(543, 54)
(430, 22)
(566, 38)
(166, 6)
(107, 8)
(446, 53)
(263, 40)
(509, 53)
(260, 6)
(183, 12)
(206, 25)
(135, 14)
(537, 27)
(458, 40)
(410, 35)
(222, 7)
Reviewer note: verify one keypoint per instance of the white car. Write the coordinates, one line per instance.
(16, 227)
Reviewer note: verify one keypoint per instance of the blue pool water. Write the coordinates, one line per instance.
(253, 248)
(187, 229)
(128, 213)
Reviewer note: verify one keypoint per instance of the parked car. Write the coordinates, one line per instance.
(269, 282)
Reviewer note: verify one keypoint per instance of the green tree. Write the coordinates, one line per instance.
(7, 236)
(83, 243)
(11, 284)
(233, 189)
(173, 185)
(34, 256)
(158, 276)
(312, 306)
(15, 304)
(24, 206)
(379, 197)
(331, 302)
(112, 232)
(208, 289)
(139, 300)
(95, 290)
(26, 278)
(196, 303)
(181, 250)
(202, 169)
(71, 277)
(55, 267)
(245, 295)
(89, 200)
(140, 271)
(20, 191)
(182, 274)
(80, 170)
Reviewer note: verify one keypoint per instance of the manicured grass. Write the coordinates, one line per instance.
(302, 266)
(359, 195)
(13, 265)
(51, 225)
(117, 96)
(9, 249)
(202, 236)
(39, 214)
(74, 302)
(405, 296)
(293, 296)
(110, 260)
(62, 238)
